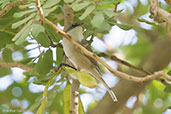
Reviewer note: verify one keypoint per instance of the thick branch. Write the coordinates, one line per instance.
(19, 65)
(160, 14)
(10, 6)
(94, 56)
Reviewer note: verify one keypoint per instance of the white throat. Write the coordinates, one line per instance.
(76, 34)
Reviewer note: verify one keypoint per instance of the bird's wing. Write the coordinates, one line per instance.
(85, 44)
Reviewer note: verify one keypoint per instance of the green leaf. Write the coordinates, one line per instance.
(23, 36)
(19, 23)
(167, 89)
(6, 38)
(87, 12)
(169, 72)
(59, 56)
(22, 30)
(20, 14)
(81, 108)
(7, 55)
(87, 80)
(68, 1)
(124, 27)
(37, 68)
(110, 13)
(52, 33)
(80, 6)
(5, 71)
(45, 63)
(50, 3)
(98, 20)
(36, 29)
(84, 78)
(104, 4)
(105, 28)
(27, 5)
(47, 11)
(169, 107)
(27, 60)
(66, 98)
(43, 39)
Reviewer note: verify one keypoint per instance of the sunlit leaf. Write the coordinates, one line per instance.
(23, 36)
(19, 23)
(20, 14)
(66, 98)
(104, 4)
(36, 29)
(50, 3)
(98, 20)
(47, 11)
(22, 30)
(87, 12)
(110, 13)
(27, 5)
(87, 80)
(80, 6)
(68, 1)
(84, 78)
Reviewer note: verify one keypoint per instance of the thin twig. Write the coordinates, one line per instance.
(116, 6)
(10, 6)
(19, 65)
(95, 57)
(115, 58)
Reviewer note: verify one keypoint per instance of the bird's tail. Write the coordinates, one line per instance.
(98, 76)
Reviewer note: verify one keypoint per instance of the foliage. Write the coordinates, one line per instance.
(21, 28)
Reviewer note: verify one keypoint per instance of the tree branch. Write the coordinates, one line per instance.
(160, 15)
(19, 65)
(115, 58)
(95, 57)
(74, 97)
(10, 6)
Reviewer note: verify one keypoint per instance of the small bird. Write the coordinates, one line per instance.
(81, 61)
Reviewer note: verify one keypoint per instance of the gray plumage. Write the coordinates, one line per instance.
(81, 61)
